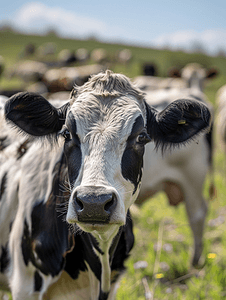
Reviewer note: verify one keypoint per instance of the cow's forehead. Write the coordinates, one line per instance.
(114, 116)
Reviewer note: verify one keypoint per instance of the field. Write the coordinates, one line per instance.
(163, 240)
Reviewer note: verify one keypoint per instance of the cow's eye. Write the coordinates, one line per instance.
(66, 134)
(143, 138)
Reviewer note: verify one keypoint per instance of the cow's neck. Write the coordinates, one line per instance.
(107, 244)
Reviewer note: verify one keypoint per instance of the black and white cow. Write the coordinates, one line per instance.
(72, 229)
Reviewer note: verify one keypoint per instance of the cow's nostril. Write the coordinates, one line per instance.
(79, 204)
(110, 204)
(92, 205)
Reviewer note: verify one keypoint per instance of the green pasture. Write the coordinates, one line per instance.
(163, 272)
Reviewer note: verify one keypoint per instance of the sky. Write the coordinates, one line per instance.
(175, 24)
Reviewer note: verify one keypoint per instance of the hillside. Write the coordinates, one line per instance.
(13, 45)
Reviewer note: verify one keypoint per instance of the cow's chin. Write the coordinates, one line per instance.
(101, 229)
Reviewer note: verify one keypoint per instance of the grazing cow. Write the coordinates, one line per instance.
(181, 173)
(89, 178)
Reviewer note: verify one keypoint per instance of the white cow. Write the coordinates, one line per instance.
(192, 74)
(181, 172)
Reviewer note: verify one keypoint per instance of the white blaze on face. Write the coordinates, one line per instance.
(103, 126)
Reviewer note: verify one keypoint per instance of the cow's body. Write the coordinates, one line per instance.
(88, 179)
(181, 173)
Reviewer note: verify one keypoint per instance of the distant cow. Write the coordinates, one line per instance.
(72, 230)
(66, 57)
(177, 78)
(149, 69)
(28, 70)
(181, 173)
(63, 79)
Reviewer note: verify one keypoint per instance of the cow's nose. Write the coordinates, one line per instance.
(92, 205)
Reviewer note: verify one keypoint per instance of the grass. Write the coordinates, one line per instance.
(157, 222)
(167, 273)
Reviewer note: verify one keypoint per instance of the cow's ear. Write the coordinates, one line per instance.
(178, 122)
(34, 115)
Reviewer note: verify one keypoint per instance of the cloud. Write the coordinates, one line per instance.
(209, 40)
(36, 17)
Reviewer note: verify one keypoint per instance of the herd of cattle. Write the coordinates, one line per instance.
(71, 169)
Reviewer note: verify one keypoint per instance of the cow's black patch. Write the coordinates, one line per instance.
(50, 234)
(3, 143)
(103, 296)
(209, 139)
(37, 282)
(124, 246)
(132, 159)
(47, 243)
(3, 185)
(81, 253)
(72, 150)
(26, 244)
(4, 259)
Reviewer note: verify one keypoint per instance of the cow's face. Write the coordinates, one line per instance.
(105, 128)
(104, 146)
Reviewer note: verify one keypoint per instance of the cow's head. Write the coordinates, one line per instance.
(105, 127)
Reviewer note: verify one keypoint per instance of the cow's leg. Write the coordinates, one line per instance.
(196, 208)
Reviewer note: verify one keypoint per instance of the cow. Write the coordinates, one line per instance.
(74, 185)
(187, 77)
(181, 173)
(64, 78)
(28, 70)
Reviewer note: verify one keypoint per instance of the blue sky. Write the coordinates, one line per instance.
(177, 24)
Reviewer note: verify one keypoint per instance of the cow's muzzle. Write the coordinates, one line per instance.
(94, 204)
